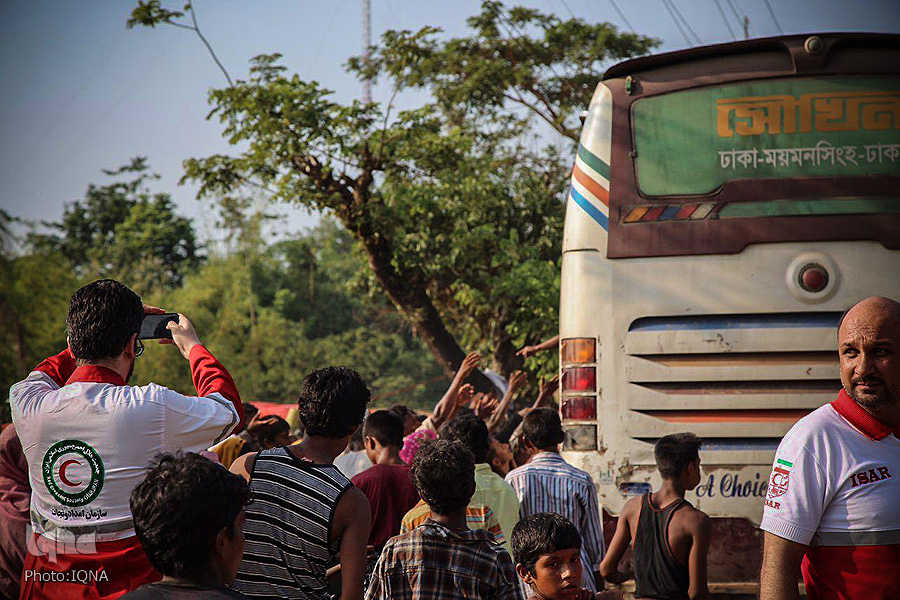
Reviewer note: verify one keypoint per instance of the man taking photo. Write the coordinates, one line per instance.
(88, 438)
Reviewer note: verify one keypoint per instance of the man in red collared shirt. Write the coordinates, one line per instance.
(88, 438)
(832, 508)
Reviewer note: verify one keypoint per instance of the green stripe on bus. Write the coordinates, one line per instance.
(793, 208)
(785, 463)
(593, 162)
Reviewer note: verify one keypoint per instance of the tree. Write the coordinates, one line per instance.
(456, 204)
(123, 231)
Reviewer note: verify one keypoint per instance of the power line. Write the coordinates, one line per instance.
(675, 14)
(724, 18)
(564, 3)
(685, 21)
(774, 18)
(737, 14)
(621, 14)
(677, 24)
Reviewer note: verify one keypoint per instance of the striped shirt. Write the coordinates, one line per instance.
(548, 483)
(478, 516)
(288, 527)
(433, 561)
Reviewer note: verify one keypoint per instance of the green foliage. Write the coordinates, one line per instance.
(123, 231)
(34, 298)
(300, 320)
(455, 203)
(515, 57)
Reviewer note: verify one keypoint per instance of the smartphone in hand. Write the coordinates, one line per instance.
(153, 327)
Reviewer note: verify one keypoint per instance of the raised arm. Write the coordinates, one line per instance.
(545, 345)
(447, 406)
(516, 381)
(547, 389)
(780, 568)
(208, 374)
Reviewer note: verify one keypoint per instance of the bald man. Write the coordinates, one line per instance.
(832, 510)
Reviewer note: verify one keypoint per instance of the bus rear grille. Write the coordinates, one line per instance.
(742, 380)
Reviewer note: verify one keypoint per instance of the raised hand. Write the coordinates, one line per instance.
(516, 381)
(547, 389)
(486, 406)
(183, 335)
(471, 362)
(527, 351)
(464, 396)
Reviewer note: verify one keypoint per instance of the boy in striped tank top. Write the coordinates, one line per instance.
(305, 511)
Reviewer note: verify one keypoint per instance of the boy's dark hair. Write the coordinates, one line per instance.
(102, 316)
(180, 507)
(542, 533)
(675, 452)
(443, 473)
(250, 411)
(402, 411)
(386, 427)
(271, 430)
(332, 402)
(472, 433)
(543, 428)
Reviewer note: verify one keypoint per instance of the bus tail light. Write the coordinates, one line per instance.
(578, 351)
(579, 379)
(579, 408)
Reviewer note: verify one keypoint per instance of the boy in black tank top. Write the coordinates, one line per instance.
(671, 537)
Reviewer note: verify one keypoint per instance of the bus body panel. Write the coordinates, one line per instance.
(693, 329)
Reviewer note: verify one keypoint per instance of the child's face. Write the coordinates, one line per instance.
(556, 575)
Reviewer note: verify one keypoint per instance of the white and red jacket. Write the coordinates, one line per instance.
(89, 439)
(835, 487)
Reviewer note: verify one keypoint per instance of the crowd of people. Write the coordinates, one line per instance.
(473, 500)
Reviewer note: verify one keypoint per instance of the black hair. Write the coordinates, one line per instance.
(332, 402)
(443, 473)
(542, 533)
(386, 427)
(402, 411)
(472, 432)
(543, 428)
(180, 507)
(102, 317)
(250, 411)
(675, 452)
(272, 429)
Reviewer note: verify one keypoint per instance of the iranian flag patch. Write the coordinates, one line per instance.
(781, 478)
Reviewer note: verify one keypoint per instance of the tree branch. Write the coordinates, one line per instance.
(208, 47)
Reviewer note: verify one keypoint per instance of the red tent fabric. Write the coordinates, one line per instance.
(273, 408)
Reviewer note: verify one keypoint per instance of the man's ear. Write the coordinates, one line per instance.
(129, 352)
(219, 547)
(523, 573)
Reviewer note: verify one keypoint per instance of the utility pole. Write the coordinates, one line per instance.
(746, 26)
(367, 42)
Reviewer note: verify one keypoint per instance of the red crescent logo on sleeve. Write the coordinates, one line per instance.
(62, 473)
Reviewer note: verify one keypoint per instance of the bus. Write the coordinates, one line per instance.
(727, 204)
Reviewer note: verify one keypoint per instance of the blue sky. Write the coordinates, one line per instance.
(82, 93)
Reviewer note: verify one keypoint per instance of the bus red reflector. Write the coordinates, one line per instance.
(579, 379)
(579, 408)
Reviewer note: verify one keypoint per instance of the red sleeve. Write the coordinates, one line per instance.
(210, 376)
(59, 367)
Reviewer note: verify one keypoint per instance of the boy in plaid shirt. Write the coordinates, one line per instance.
(443, 558)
